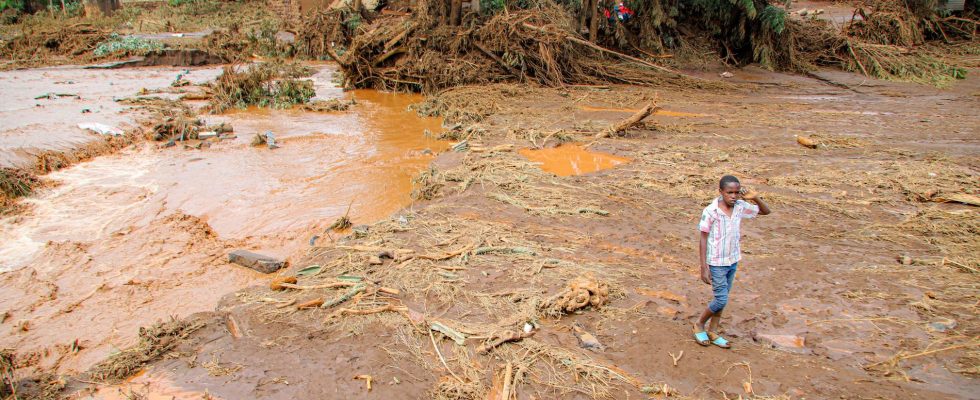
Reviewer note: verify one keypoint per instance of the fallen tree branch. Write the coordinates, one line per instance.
(628, 122)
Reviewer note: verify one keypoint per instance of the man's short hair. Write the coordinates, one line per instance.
(726, 180)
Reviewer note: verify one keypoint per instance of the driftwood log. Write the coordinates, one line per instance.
(628, 122)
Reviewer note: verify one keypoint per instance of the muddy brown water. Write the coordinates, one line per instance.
(128, 239)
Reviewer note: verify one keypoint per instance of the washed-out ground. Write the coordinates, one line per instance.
(821, 307)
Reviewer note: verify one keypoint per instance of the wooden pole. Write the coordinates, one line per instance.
(455, 12)
(594, 25)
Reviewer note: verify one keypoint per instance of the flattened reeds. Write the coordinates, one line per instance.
(154, 342)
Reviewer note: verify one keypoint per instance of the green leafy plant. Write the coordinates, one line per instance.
(17, 5)
(129, 45)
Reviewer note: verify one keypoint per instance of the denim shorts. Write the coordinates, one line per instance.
(722, 279)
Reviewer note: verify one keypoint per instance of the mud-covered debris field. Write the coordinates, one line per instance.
(264, 199)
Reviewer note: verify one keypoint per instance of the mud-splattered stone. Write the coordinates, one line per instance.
(258, 262)
(791, 343)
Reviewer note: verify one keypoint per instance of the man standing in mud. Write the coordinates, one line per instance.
(719, 251)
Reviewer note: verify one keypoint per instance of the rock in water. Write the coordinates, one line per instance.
(258, 262)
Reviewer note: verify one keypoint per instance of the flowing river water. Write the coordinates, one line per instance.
(128, 239)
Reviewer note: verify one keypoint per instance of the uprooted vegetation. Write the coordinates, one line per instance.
(154, 342)
(15, 183)
(556, 43)
(273, 85)
(52, 38)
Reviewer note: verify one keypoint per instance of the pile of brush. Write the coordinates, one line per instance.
(417, 52)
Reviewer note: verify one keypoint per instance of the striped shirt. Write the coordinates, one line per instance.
(724, 231)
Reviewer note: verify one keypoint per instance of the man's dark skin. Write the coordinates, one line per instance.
(729, 194)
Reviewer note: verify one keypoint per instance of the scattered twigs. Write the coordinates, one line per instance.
(331, 285)
(441, 358)
(498, 60)
(901, 356)
(508, 376)
(358, 288)
(367, 380)
(509, 336)
(446, 256)
(615, 53)
(746, 385)
(367, 311)
(314, 303)
(451, 333)
(676, 358)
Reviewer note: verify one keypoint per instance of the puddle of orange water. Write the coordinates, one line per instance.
(666, 113)
(572, 159)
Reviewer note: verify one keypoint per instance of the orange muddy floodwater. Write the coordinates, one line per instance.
(132, 238)
(572, 159)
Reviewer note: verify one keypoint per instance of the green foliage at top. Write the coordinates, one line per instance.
(126, 45)
(491, 6)
(774, 19)
(748, 6)
(12, 4)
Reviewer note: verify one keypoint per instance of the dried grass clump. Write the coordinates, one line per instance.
(317, 32)
(37, 45)
(7, 380)
(239, 44)
(467, 104)
(154, 342)
(331, 105)
(265, 85)
(425, 186)
(16, 183)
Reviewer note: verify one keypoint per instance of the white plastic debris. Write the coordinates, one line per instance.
(270, 140)
(102, 129)
(727, 74)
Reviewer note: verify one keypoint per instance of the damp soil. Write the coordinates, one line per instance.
(819, 271)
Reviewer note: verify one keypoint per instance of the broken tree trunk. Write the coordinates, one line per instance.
(455, 12)
(95, 8)
(628, 122)
(594, 24)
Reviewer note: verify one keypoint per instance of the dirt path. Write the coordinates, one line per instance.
(500, 237)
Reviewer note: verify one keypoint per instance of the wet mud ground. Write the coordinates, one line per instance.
(820, 271)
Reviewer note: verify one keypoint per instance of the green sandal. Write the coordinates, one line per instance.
(719, 341)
